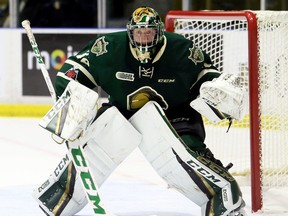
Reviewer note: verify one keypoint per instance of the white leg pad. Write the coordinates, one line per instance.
(107, 142)
(157, 143)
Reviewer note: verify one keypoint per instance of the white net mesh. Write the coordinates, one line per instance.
(225, 39)
(273, 79)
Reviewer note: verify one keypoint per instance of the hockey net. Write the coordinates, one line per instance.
(253, 45)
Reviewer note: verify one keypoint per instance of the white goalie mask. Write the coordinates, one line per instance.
(145, 30)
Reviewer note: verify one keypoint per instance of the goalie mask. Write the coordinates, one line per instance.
(145, 30)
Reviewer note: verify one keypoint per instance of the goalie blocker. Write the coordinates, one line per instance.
(111, 138)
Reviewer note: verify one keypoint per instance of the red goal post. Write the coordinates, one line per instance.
(217, 32)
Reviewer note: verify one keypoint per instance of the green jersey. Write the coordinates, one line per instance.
(172, 79)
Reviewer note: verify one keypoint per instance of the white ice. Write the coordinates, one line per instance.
(29, 155)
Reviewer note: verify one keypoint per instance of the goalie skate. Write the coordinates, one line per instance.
(239, 211)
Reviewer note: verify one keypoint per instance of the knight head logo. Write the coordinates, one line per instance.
(140, 14)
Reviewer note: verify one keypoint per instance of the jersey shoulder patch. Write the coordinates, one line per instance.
(196, 55)
(100, 46)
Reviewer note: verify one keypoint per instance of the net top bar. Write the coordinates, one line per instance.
(178, 14)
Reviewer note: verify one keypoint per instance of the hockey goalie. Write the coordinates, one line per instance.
(159, 86)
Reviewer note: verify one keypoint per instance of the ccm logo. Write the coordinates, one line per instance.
(166, 80)
(43, 186)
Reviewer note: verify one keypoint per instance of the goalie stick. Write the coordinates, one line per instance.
(27, 27)
(75, 151)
